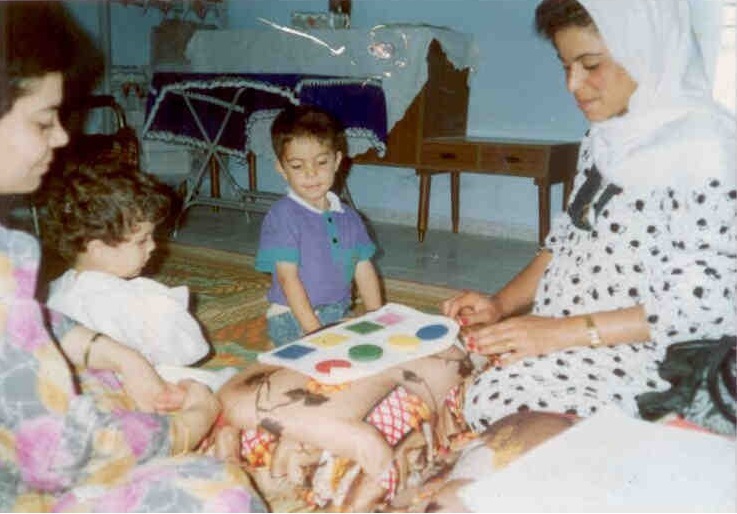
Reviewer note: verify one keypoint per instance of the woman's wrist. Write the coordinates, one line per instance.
(592, 332)
(498, 305)
(88, 351)
(123, 359)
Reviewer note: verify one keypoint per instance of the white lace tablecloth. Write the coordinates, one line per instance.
(396, 54)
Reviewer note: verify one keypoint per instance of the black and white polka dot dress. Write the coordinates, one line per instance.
(671, 250)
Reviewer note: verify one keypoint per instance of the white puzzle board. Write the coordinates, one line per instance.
(366, 345)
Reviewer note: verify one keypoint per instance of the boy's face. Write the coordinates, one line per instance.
(309, 167)
(126, 259)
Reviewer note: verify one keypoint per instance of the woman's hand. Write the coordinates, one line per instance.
(193, 422)
(199, 397)
(171, 398)
(473, 308)
(521, 337)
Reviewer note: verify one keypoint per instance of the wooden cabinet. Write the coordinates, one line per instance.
(431, 138)
(546, 162)
(524, 161)
(440, 109)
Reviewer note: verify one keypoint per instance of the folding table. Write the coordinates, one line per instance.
(216, 112)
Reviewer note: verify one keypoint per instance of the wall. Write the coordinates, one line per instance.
(517, 90)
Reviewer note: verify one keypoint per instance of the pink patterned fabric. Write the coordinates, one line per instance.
(62, 451)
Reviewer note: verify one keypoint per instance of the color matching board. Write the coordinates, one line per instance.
(366, 345)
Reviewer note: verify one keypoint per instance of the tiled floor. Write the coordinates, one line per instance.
(454, 260)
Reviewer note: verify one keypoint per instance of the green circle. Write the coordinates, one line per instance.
(365, 352)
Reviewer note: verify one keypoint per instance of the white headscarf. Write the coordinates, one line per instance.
(673, 131)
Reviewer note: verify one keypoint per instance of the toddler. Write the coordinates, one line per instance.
(101, 220)
(314, 245)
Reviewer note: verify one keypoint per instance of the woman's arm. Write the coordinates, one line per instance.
(527, 336)
(367, 282)
(139, 378)
(288, 277)
(199, 406)
(515, 297)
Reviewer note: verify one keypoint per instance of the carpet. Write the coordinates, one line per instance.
(229, 297)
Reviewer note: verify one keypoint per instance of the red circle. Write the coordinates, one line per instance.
(327, 365)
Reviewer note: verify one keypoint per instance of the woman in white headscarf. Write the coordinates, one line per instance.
(644, 255)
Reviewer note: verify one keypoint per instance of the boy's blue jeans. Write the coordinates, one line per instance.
(284, 328)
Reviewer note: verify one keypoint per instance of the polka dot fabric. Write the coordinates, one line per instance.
(671, 250)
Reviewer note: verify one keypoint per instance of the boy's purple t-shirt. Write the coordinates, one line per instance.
(326, 246)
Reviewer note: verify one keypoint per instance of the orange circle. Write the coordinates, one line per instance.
(326, 365)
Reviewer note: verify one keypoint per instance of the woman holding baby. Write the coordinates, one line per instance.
(104, 449)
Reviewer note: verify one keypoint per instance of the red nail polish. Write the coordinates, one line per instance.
(463, 321)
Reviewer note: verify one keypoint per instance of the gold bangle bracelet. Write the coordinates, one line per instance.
(593, 332)
(88, 350)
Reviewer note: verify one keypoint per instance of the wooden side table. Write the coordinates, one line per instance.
(546, 162)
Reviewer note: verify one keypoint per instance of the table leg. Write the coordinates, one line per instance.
(214, 180)
(252, 180)
(423, 204)
(455, 199)
(543, 200)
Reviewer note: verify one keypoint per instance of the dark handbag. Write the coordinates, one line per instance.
(703, 384)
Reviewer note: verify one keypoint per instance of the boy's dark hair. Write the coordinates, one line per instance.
(307, 121)
(105, 204)
(554, 15)
(41, 37)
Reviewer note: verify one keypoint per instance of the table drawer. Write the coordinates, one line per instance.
(448, 155)
(514, 159)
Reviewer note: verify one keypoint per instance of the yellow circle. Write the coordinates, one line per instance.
(404, 342)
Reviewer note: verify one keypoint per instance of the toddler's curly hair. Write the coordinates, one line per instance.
(105, 203)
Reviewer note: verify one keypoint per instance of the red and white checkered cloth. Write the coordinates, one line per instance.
(398, 414)
(256, 446)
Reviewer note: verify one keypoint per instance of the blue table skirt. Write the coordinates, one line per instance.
(358, 103)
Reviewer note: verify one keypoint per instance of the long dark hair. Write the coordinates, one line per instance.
(41, 37)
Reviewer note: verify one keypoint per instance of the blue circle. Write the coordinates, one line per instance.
(432, 332)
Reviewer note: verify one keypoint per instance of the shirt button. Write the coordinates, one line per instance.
(335, 240)
(330, 220)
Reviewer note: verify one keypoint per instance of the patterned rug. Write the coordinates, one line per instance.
(229, 297)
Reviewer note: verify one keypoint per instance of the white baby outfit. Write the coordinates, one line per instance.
(141, 313)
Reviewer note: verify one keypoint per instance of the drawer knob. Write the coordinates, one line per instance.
(511, 159)
(447, 155)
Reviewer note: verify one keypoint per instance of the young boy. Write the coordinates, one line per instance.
(314, 245)
(101, 221)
